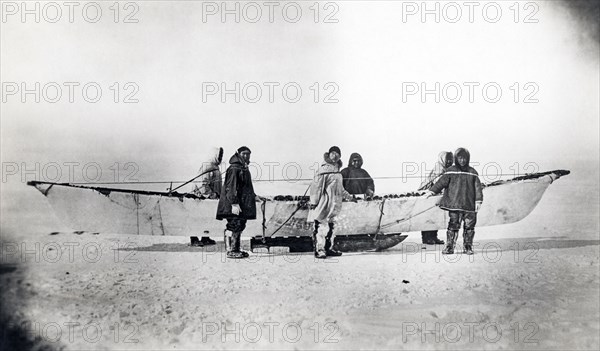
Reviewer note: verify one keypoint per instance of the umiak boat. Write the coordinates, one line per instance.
(363, 225)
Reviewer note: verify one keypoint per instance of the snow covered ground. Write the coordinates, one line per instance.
(531, 285)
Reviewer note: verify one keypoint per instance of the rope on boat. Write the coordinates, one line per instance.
(191, 180)
(300, 205)
(263, 207)
(277, 180)
(381, 214)
(47, 190)
(136, 198)
(398, 221)
(162, 227)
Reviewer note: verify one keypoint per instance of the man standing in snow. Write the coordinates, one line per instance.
(462, 199)
(237, 203)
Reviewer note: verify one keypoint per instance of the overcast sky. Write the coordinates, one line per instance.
(373, 54)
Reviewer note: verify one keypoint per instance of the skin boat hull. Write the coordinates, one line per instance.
(97, 209)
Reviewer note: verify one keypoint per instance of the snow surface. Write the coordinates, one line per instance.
(531, 285)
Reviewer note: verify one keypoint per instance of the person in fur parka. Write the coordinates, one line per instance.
(326, 196)
(237, 203)
(357, 181)
(210, 185)
(210, 175)
(462, 199)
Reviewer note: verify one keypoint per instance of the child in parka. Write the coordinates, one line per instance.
(462, 199)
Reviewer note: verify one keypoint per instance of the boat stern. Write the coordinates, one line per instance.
(43, 187)
(558, 173)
